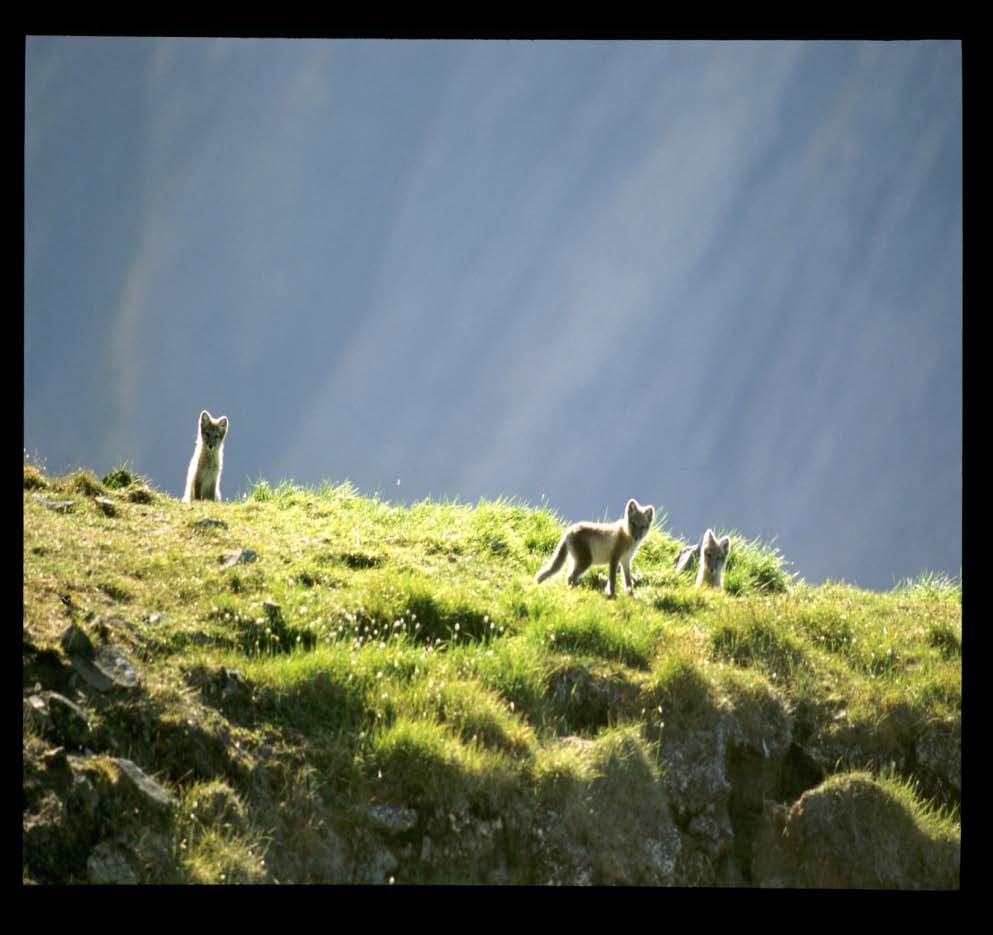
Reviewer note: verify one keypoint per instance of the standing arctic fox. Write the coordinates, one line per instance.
(203, 479)
(713, 554)
(610, 544)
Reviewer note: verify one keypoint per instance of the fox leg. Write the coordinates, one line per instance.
(612, 578)
(582, 558)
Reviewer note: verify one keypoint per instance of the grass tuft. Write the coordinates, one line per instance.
(81, 482)
(754, 566)
(122, 477)
(930, 584)
(34, 479)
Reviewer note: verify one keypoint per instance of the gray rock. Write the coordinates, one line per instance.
(222, 684)
(144, 789)
(108, 864)
(498, 876)
(718, 772)
(106, 506)
(392, 818)
(695, 769)
(241, 557)
(234, 688)
(69, 720)
(59, 506)
(90, 674)
(662, 854)
(209, 523)
(56, 761)
(771, 864)
(108, 670)
(112, 662)
(382, 863)
(713, 833)
(36, 712)
(333, 856)
(76, 642)
(939, 754)
(153, 854)
(83, 799)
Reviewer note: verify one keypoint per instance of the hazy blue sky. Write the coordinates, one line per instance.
(721, 277)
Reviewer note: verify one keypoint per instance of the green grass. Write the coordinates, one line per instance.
(755, 566)
(936, 823)
(680, 691)
(402, 653)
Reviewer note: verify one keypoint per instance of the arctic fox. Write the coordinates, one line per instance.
(713, 555)
(203, 479)
(610, 544)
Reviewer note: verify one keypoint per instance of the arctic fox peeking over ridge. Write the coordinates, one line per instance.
(611, 544)
(203, 479)
(713, 554)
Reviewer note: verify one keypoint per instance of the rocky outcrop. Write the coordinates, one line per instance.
(87, 817)
(718, 771)
(728, 793)
(851, 833)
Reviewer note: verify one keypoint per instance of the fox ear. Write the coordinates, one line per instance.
(686, 557)
(650, 514)
(725, 545)
(204, 418)
(223, 422)
(709, 536)
(632, 506)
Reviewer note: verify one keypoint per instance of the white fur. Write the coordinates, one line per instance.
(203, 478)
(613, 544)
(713, 558)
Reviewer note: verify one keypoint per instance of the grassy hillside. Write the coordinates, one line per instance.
(321, 686)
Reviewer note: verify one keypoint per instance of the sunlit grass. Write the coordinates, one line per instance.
(407, 651)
